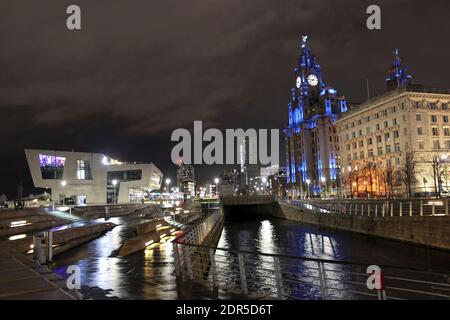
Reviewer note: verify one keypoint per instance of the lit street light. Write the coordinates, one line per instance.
(216, 181)
(63, 184)
(308, 183)
(324, 187)
(168, 184)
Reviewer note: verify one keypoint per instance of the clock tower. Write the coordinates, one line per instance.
(310, 136)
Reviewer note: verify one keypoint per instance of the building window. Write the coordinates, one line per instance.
(446, 132)
(368, 130)
(370, 152)
(433, 106)
(444, 106)
(421, 145)
(386, 124)
(445, 119)
(433, 118)
(355, 156)
(379, 139)
(386, 136)
(361, 144)
(435, 131)
(349, 157)
(394, 121)
(418, 117)
(395, 134)
(348, 147)
(419, 131)
(52, 167)
(447, 144)
(436, 145)
(83, 170)
(369, 141)
(377, 126)
(353, 134)
(388, 148)
(397, 147)
(380, 151)
(417, 104)
(354, 145)
(361, 155)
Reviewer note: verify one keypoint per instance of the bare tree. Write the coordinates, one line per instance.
(436, 165)
(407, 174)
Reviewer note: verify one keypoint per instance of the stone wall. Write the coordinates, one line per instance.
(432, 231)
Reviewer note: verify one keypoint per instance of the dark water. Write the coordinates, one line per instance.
(149, 274)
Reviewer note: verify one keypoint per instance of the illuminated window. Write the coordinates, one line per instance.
(52, 167)
(83, 170)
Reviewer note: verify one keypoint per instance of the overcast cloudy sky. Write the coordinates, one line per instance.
(139, 69)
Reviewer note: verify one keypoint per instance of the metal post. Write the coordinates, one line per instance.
(213, 267)
(350, 208)
(383, 209)
(356, 209)
(376, 209)
(433, 210)
(279, 278)
(176, 256)
(410, 208)
(322, 277)
(446, 206)
(421, 207)
(242, 273)
(49, 246)
(188, 262)
(401, 209)
(368, 210)
(70, 210)
(392, 209)
(53, 205)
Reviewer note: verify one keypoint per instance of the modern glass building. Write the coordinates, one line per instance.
(91, 178)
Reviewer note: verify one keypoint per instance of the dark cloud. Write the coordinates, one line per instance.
(141, 68)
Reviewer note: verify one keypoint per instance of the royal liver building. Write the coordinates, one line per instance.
(311, 139)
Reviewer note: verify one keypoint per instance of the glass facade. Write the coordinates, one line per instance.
(52, 167)
(113, 180)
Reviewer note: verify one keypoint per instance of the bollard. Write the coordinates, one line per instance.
(70, 211)
(410, 208)
(53, 205)
(401, 209)
(433, 210)
(383, 209)
(350, 208)
(39, 247)
(368, 210)
(376, 210)
(421, 208)
(392, 209)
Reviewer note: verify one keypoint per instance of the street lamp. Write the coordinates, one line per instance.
(63, 184)
(323, 179)
(114, 183)
(216, 181)
(308, 182)
(168, 184)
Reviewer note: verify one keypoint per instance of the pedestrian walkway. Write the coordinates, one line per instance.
(24, 279)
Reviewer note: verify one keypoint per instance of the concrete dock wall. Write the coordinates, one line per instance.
(432, 231)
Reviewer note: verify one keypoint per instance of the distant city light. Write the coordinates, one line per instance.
(64, 183)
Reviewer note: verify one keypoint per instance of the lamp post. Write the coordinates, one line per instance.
(324, 186)
(168, 185)
(264, 181)
(307, 191)
(63, 184)
(114, 183)
(216, 181)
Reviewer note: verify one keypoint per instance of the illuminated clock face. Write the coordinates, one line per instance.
(299, 82)
(312, 80)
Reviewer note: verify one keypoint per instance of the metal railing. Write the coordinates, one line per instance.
(257, 274)
(376, 208)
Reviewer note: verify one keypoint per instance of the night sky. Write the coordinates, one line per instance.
(139, 69)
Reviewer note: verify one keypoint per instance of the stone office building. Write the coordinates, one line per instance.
(376, 136)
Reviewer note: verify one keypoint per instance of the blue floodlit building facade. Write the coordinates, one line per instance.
(311, 142)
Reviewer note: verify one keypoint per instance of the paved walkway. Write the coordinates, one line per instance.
(24, 279)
